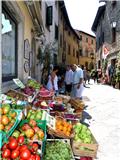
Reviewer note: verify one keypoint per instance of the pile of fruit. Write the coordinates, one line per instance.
(17, 95)
(41, 104)
(34, 114)
(64, 127)
(57, 150)
(30, 130)
(33, 83)
(28, 90)
(7, 117)
(18, 149)
(82, 134)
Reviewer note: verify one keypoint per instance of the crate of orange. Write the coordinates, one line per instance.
(63, 129)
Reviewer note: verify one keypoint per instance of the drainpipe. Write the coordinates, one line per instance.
(0, 51)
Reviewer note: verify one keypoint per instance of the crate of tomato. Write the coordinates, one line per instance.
(10, 118)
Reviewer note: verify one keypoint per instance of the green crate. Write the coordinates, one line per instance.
(41, 124)
(3, 135)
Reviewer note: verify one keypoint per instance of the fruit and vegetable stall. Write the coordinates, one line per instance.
(37, 125)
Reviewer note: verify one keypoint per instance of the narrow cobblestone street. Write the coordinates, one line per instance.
(104, 108)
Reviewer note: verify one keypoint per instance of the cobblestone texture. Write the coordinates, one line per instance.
(104, 107)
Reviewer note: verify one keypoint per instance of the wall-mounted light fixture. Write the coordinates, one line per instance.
(113, 24)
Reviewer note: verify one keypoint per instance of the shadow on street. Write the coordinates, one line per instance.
(85, 116)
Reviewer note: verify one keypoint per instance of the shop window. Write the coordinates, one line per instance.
(9, 46)
(56, 32)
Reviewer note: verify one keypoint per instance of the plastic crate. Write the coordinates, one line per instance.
(42, 125)
(5, 135)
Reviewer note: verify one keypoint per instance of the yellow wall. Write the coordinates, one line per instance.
(28, 25)
(73, 45)
(90, 46)
(69, 39)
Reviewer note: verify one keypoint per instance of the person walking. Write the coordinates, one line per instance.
(77, 85)
(68, 79)
(52, 83)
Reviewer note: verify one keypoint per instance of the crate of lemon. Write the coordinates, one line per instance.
(9, 120)
(84, 143)
(63, 129)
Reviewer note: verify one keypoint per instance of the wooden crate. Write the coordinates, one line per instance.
(17, 95)
(91, 149)
(77, 104)
(64, 141)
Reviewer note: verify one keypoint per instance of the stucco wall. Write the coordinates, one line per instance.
(28, 25)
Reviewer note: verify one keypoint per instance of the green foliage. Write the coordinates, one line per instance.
(40, 54)
(118, 68)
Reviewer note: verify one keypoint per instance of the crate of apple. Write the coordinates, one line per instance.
(84, 143)
(9, 119)
(18, 148)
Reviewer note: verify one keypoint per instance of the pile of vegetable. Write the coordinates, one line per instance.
(18, 149)
(57, 150)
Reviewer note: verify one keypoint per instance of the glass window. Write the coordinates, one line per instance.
(92, 41)
(73, 52)
(60, 40)
(56, 32)
(69, 50)
(86, 39)
(9, 45)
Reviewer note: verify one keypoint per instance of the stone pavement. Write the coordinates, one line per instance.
(103, 113)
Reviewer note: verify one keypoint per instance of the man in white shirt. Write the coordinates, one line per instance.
(68, 79)
(77, 85)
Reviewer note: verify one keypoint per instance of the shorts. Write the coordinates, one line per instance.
(68, 88)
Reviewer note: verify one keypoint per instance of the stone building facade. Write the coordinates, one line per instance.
(106, 27)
